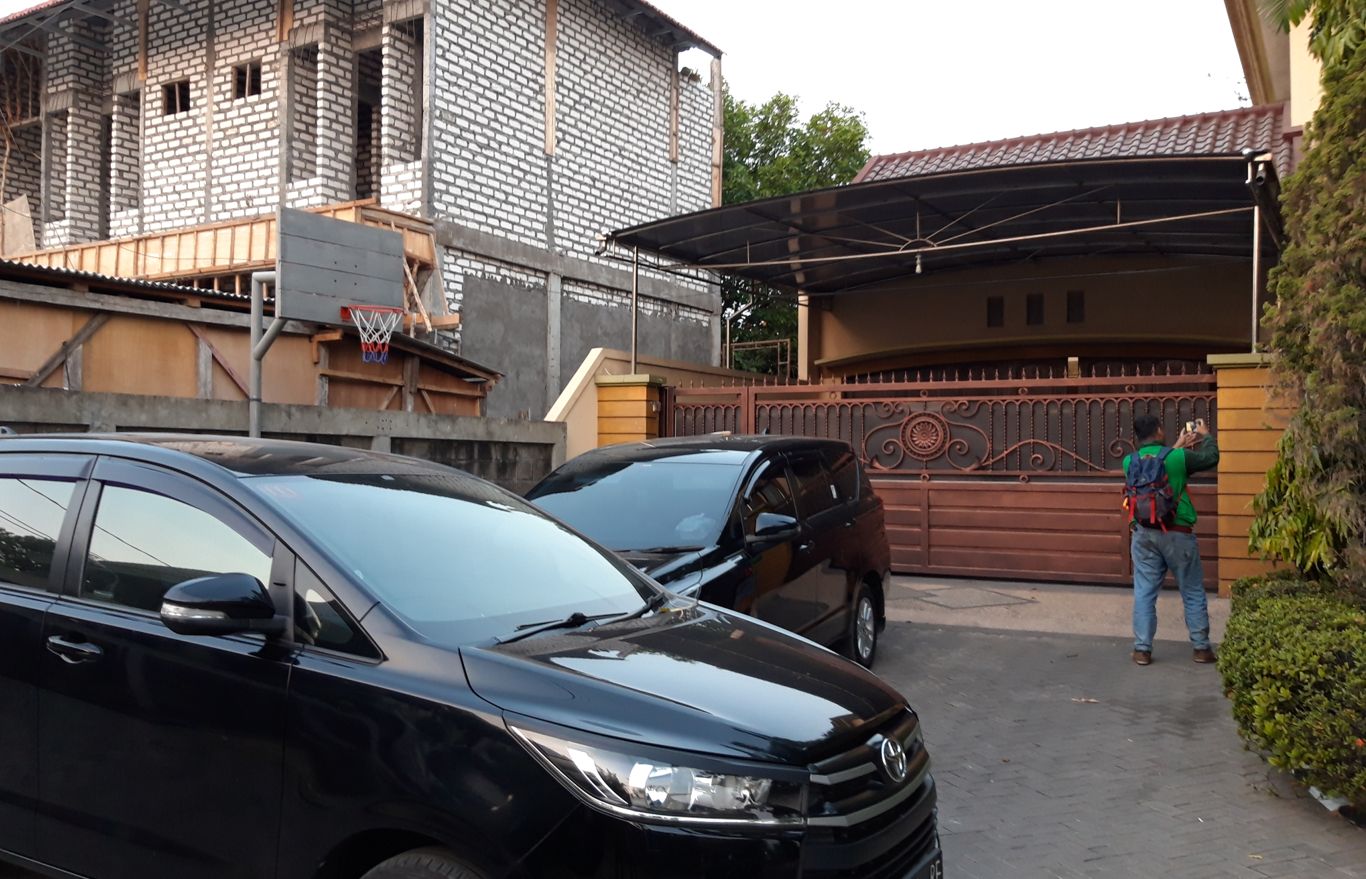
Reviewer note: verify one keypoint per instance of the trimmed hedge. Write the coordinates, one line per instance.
(1294, 665)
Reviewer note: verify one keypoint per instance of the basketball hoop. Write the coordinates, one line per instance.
(375, 323)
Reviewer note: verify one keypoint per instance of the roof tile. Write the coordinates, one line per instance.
(1223, 132)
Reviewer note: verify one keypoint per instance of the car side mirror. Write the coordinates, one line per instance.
(772, 528)
(223, 604)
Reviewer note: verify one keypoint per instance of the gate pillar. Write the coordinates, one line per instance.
(1250, 423)
(628, 407)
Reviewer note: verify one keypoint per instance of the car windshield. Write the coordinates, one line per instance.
(655, 505)
(460, 560)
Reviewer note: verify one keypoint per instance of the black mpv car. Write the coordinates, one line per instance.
(240, 658)
(781, 528)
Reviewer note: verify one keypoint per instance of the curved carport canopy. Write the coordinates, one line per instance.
(844, 239)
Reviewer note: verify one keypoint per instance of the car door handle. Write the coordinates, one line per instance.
(73, 652)
(805, 546)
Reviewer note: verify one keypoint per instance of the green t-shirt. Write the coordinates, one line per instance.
(1180, 464)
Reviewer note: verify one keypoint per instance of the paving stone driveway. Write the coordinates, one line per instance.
(1036, 780)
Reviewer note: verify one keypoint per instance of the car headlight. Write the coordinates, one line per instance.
(645, 787)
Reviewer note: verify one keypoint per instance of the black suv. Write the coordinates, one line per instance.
(784, 529)
(238, 658)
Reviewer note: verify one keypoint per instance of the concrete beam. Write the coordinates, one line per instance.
(40, 295)
(536, 258)
(137, 412)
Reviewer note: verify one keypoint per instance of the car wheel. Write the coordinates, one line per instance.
(862, 639)
(424, 863)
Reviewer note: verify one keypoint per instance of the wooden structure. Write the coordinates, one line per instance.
(220, 257)
(81, 332)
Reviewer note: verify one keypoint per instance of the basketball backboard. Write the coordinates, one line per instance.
(325, 265)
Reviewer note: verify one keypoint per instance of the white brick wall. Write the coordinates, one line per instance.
(488, 116)
(174, 153)
(246, 134)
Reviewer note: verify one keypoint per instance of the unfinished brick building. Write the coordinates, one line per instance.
(149, 138)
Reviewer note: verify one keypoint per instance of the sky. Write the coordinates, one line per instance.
(928, 74)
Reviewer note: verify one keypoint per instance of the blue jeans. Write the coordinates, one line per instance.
(1155, 552)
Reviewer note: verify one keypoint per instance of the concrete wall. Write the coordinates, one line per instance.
(511, 316)
(1148, 304)
(514, 454)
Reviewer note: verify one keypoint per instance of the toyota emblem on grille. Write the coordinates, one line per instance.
(894, 760)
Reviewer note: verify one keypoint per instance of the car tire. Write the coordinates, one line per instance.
(861, 642)
(424, 863)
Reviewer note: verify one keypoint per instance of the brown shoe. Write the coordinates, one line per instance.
(1203, 655)
(1143, 657)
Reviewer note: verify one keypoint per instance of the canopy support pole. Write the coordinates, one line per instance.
(1256, 270)
(635, 303)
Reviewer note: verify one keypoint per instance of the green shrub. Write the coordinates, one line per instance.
(1294, 664)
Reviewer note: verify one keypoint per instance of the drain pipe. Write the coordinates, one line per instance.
(261, 340)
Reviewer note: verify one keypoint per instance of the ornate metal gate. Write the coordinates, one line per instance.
(1010, 478)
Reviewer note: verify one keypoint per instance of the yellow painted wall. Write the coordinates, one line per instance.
(1205, 304)
(1305, 88)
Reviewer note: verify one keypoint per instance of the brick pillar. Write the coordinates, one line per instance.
(1248, 429)
(628, 407)
(400, 134)
(335, 117)
(125, 164)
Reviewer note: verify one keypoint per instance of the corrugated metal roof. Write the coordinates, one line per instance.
(11, 269)
(1223, 132)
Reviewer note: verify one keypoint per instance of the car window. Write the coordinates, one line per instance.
(844, 473)
(321, 621)
(656, 505)
(815, 494)
(459, 560)
(145, 543)
(770, 493)
(31, 513)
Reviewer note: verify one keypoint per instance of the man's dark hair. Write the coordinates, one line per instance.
(1146, 427)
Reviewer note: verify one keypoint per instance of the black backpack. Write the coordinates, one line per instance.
(1148, 494)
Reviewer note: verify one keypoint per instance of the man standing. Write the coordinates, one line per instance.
(1164, 540)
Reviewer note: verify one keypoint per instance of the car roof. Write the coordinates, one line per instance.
(236, 455)
(709, 444)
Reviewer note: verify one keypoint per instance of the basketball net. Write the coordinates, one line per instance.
(375, 323)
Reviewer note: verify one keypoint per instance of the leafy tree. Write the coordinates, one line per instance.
(770, 151)
(1312, 513)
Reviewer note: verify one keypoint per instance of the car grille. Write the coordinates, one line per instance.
(861, 822)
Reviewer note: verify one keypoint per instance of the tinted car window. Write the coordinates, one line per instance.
(770, 493)
(145, 543)
(31, 512)
(814, 492)
(321, 621)
(641, 505)
(844, 473)
(459, 560)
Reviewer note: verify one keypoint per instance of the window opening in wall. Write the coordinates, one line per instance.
(246, 80)
(175, 97)
(1076, 306)
(303, 142)
(996, 311)
(1034, 309)
(369, 113)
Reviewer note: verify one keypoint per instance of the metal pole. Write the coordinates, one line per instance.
(261, 340)
(635, 302)
(1256, 270)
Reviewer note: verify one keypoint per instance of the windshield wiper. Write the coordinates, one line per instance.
(660, 549)
(573, 621)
